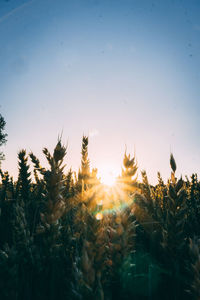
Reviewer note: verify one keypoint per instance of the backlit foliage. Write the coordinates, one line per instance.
(67, 236)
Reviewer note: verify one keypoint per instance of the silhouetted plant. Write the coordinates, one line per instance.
(66, 236)
(3, 135)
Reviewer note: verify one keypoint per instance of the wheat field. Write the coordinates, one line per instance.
(69, 236)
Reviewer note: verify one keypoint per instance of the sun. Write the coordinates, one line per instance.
(108, 179)
(107, 175)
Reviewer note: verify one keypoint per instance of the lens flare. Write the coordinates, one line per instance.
(99, 216)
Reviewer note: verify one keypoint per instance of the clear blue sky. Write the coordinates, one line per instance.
(125, 72)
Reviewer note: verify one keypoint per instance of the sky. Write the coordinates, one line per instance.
(126, 73)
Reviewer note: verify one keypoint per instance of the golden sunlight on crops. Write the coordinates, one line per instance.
(98, 228)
